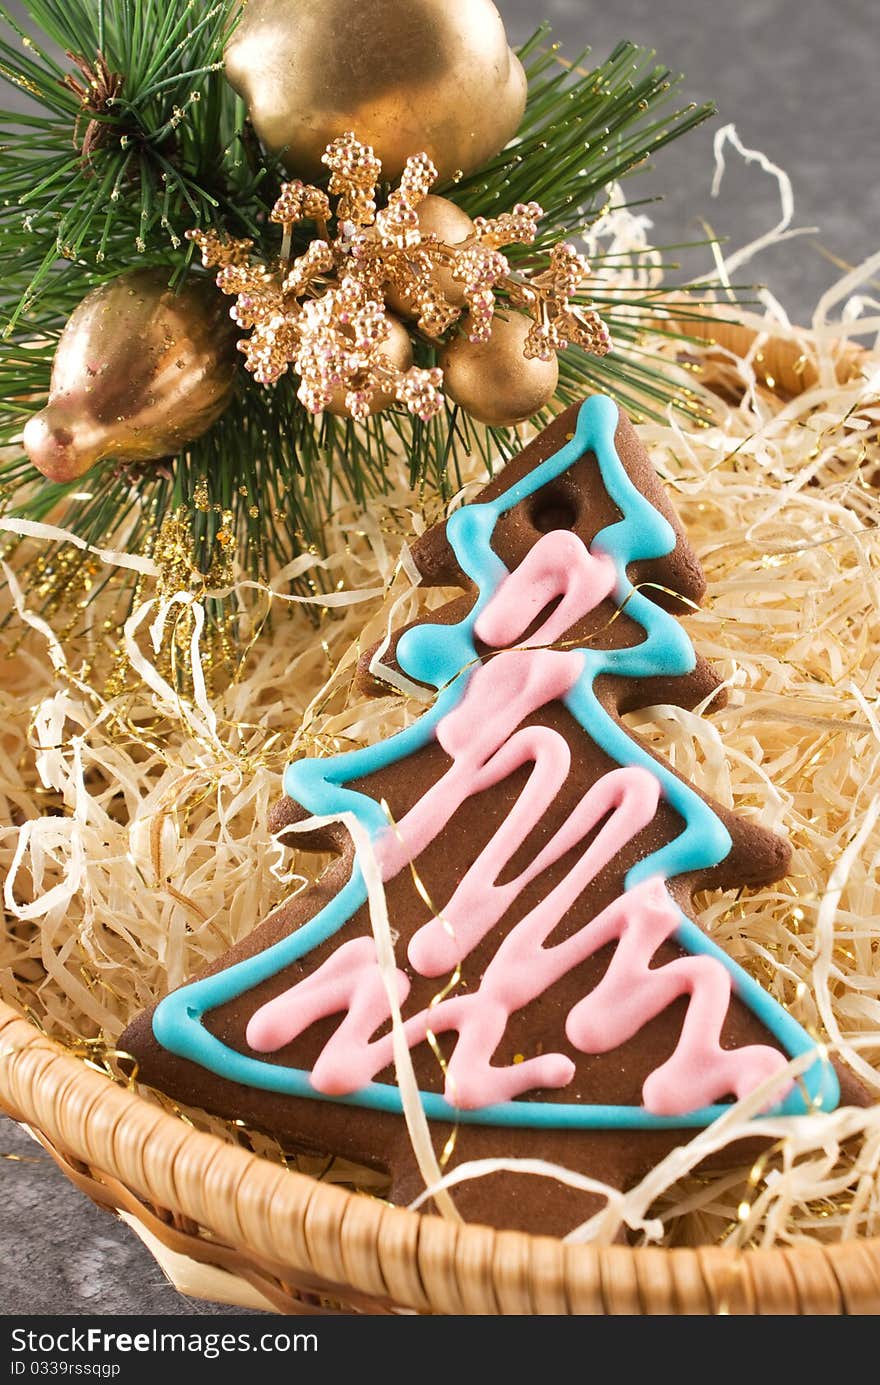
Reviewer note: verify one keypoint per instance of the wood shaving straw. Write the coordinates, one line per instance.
(133, 835)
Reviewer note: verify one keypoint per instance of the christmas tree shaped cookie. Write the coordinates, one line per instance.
(558, 998)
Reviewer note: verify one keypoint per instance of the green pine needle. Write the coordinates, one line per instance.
(97, 185)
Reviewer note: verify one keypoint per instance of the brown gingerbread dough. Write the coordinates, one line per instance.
(578, 501)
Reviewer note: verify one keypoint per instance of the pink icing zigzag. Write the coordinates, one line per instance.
(630, 994)
(487, 741)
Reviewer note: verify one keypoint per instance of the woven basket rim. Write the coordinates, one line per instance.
(266, 1220)
(422, 1262)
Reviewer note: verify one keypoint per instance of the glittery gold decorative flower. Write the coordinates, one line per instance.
(325, 313)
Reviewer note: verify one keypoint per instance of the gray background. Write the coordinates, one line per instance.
(798, 78)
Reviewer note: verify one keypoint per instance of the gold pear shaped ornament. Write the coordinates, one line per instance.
(406, 75)
(139, 372)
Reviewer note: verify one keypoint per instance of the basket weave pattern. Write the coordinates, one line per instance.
(311, 1248)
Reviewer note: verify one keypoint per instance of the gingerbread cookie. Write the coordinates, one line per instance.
(558, 998)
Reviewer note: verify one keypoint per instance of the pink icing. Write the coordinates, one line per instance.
(487, 741)
(558, 566)
(349, 981)
(630, 994)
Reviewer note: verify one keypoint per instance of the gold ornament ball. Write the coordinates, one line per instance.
(493, 380)
(139, 371)
(441, 218)
(407, 76)
(397, 350)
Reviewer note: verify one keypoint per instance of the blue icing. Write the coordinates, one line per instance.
(440, 655)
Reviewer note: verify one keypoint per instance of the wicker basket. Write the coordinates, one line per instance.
(228, 1225)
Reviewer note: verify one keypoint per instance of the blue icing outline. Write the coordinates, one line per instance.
(439, 655)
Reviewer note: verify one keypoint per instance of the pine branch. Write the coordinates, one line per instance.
(99, 180)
